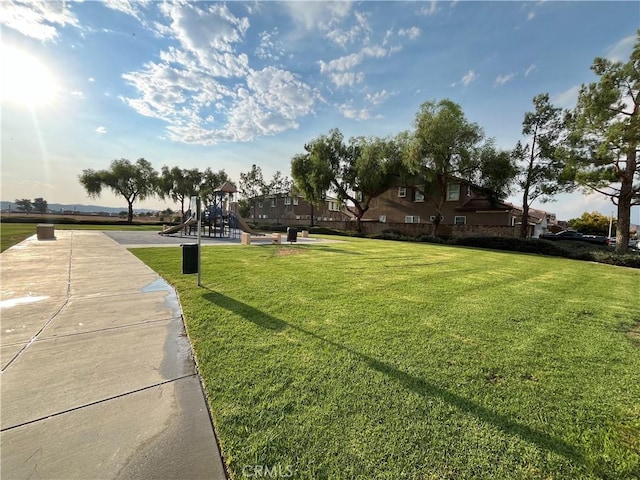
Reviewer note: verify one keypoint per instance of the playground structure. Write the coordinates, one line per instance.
(218, 220)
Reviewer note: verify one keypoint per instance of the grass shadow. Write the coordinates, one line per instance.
(410, 382)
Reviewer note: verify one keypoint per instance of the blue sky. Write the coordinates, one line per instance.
(226, 85)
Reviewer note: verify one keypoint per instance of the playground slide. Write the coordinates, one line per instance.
(245, 227)
(177, 228)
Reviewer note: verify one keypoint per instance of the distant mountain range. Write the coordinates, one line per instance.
(59, 208)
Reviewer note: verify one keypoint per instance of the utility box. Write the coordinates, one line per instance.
(45, 231)
(189, 258)
(292, 234)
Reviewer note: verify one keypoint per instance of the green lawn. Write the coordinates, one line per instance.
(376, 359)
(13, 233)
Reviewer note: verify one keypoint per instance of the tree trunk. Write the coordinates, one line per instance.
(130, 212)
(624, 202)
(524, 225)
(312, 215)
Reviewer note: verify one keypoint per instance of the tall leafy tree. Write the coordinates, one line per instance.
(179, 184)
(445, 146)
(278, 185)
(306, 181)
(132, 181)
(40, 205)
(593, 223)
(541, 159)
(211, 181)
(24, 204)
(605, 136)
(252, 186)
(356, 172)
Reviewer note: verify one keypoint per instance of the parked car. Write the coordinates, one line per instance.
(577, 236)
(633, 243)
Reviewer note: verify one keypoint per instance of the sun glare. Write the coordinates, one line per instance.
(25, 80)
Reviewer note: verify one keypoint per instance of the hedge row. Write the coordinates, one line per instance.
(567, 249)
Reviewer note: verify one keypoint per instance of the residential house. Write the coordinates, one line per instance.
(295, 210)
(465, 204)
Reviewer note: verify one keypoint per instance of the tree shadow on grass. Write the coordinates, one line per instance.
(410, 382)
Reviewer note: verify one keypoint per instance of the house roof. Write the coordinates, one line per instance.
(226, 187)
(481, 203)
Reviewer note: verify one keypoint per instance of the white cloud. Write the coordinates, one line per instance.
(101, 130)
(568, 98)
(77, 94)
(502, 79)
(621, 51)
(429, 10)
(91, 79)
(530, 70)
(130, 7)
(468, 77)
(531, 15)
(317, 15)
(208, 32)
(358, 32)
(337, 69)
(270, 48)
(39, 19)
(412, 33)
(352, 113)
(378, 97)
(343, 79)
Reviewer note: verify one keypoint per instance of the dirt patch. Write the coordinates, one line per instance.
(286, 251)
(634, 333)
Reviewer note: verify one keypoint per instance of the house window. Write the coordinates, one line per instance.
(333, 206)
(295, 200)
(287, 200)
(273, 202)
(259, 204)
(432, 218)
(418, 195)
(468, 190)
(453, 192)
(513, 221)
(359, 196)
(382, 218)
(412, 219)
(459, 220)
(402, 192)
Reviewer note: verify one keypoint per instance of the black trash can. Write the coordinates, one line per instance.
(292, 234)
(189, 257)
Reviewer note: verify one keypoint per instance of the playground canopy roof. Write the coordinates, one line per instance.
(226, 187)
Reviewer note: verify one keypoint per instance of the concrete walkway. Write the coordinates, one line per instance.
(98, 379)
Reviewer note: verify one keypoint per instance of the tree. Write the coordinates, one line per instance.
(211, 181)
(244, 207)
(24, 205)
(132, 181)
(40, 205)
(306, 181)
(445, 145)
(179, 184)
(593, 223)
(541, 173)
(276, 187)
(357, 172)
(605, 137)
(252, 186)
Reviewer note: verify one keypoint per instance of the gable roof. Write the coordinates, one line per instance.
(226, 187)
(484, 204)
